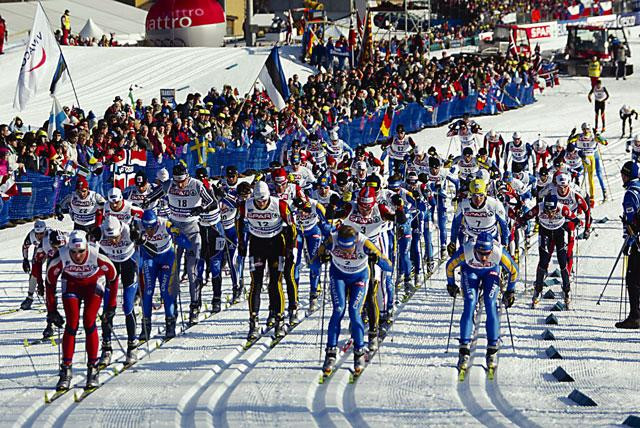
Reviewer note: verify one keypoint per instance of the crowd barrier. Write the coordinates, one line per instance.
(49, 191)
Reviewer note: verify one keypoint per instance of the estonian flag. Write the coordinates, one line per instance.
(272, 77)
(57, 119)
(59, 76)
(385, 127)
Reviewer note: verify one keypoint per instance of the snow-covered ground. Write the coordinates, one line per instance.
(204, 378)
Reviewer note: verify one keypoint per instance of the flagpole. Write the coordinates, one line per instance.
(244, 101)
(73, 86)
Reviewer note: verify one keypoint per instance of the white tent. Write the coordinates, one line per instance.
(90, 30)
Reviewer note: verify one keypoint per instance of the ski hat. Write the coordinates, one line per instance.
(516, 136)
(434, 162)
(180, 172)
(550, 202)
(563, 179)
(507, 176)
(149, 219)
(493, 135)
(630, 169)
(57, 238)
(342, 179)
(82, 183)
(571, 147)
(636, 139)
(261, 191)
(367, 197)
(232, 170)
(114, 195)
(279, 176)
(361, 166)
(478, 187)
(111, 227)
(483, 175)
(141, 178)
(484, 242)
(395, 181)
(39, 226)
(162, 175)
(201, 173)
(324, 181)
(334, 136)
(347, 236)
(412, 177)
(295, 159)
(78, 240)
(467, 151)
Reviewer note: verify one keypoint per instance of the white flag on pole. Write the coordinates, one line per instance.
(38, 63)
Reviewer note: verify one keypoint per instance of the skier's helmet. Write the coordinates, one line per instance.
(149, 219)
(111, 227)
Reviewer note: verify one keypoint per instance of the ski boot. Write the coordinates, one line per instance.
(254, 328)
(567, 298)
(359, 361)
(237, 295)
(280, 329)
(492, 361)
(145, 331)
(373, 341)
(537, 293)
(431, 266)
(105, 356)
(131, 356)
(330, 360)
(48, 331)
(92, 377)
(64, 382)
(313, 304)
(26, 303)
(194, 313)
(271, 320)
(492, 357)
(216, 305)
(629, 323)
(170, 328)
(293, 317)
(464, 355)
(443, 253)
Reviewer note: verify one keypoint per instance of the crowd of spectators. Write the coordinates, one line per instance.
(400, 72)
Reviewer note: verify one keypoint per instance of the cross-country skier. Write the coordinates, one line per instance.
(477, 214)
(188, 198)
(85, 207)
(399, 150)
(437, 181)
(481, 263)
(87, 274)
(555, 220)
(266, 225)
(34, 238)
(369, 215)
(633, 146)
(351, 255)
(140, 190)
(600, 95)
(158, 264)
(627, 114)
(213, 245)
(631, 249)
(121, 208)
(229, 201)
(587, 142)
(117, 243)
(493, 142)
(518, 152)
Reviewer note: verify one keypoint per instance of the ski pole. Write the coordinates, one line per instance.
(181, 313)
(32, 364)
(611, 274)
(510, 332)
(453, 307)
(624, 269)
(58, 328)
(324, 299)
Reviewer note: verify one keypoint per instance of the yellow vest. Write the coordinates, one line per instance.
(66, 22)
(595, 69)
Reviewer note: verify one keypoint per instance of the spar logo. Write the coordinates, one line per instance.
(32, 50)
(179, 18)
(541, 32)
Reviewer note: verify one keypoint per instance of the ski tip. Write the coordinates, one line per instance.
(321, 379)
(53, 341)
(46, 398)
(76, 398)
(25, 343)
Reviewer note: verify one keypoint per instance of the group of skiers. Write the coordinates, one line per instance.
(376, 231)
